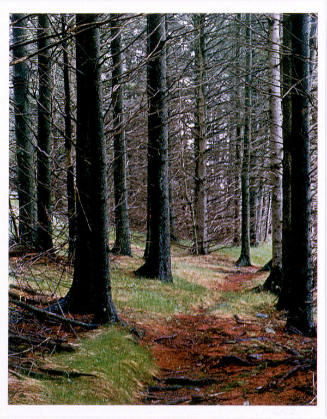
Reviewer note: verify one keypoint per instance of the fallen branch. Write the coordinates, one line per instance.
(164, 338)
(37, 300)
(53, 316)
(185, 381)
(26, 289)
(233, 360)
(62, 373)
(59, 345)
(164, 388)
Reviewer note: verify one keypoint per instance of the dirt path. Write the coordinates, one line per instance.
(205, 359)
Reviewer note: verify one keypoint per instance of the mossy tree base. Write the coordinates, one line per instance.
(243, 261)
(274, 281)
(152, 272)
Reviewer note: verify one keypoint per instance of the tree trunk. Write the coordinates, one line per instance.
(273, 282)
(300, 306)
(172, 216)
(122, 245)
(44, 205)
(71, 202)
(287, 81)
(244, 259)
(91, 288)
(254, 216)
(200, 141)
(157, 264)
(24, 146)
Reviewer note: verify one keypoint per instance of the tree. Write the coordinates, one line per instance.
(273, 282)
(71, 204)
(44, 206)
(24, 146)
(91, 288)
(200, 142)
(287, 82)
(122, 244)
(157, 263)
(244, 259)
(300, 304)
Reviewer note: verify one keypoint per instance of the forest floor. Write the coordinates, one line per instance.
(228, 347)
(225, 360)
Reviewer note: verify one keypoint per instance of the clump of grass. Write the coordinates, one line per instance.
(246, 302)
(260, 255)
(119, 363)
(148, 297)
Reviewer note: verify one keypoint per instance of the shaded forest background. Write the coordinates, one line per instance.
(223, 84)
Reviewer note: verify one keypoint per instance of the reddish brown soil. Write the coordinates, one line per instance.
(211, 360)
(205, 359)
(245, 363)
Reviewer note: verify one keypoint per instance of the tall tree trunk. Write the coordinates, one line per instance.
(300, 306)
(273, 282)
(44, 206)
(200, 141)
(244, 259)
(71, 202)
(122, 245)
(238, 134)
(157, 264)
(24, 146)
(91, 288)
(287, 82)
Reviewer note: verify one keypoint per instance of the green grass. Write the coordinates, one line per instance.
(121, 367)
(259, 255)
(149, 297)
(246, 302)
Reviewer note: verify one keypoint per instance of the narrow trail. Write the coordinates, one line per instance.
(232, 360)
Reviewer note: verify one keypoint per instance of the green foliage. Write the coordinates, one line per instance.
(118, 362)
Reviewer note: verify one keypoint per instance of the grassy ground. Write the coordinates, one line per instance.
(120, 365)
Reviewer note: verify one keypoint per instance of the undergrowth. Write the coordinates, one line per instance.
(119, 364)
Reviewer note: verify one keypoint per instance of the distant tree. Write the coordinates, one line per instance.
(122, 244)
(91, 289)
(157, 258)
(244, 259)
(25, 179)
(273, 282)
(300, 283)
(200, 141)
(44, 205)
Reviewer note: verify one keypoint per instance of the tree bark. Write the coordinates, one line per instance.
(200, 141)
(71, 202)
(122, 245)
(44, 205)
(273, 282)
(300, 306)
(287, 82)
(244, 259)
(91, 288)
(157, 264)
(24, 146)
